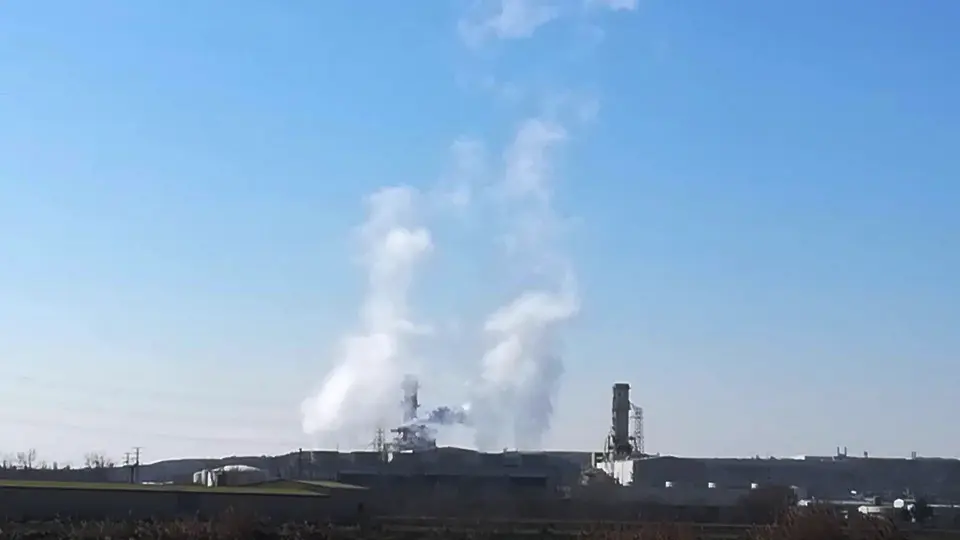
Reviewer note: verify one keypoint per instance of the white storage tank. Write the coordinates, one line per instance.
(205, 477)
(209, 478)
(237, 475)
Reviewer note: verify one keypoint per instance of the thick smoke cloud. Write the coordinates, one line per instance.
(448, 416)
(523, 368)
(358, 394)
(520, 370)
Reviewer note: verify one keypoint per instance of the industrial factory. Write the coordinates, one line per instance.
(406, 459)
(407, 473)
(416, 434)
(408, 455)
(623, 461)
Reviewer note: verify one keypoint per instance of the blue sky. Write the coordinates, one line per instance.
(765, 214)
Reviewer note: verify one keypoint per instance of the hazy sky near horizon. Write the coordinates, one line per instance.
(761, 202)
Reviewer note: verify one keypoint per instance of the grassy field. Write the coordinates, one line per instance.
(115, 486)
(302, 531)
(798, 525)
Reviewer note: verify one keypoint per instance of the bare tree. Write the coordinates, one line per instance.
(94, 460)
(27, 460)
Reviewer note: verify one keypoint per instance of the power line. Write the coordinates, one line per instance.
(135, 466)
(160, 393)
(158, 407)
(155, 434)
(159, 411)
(208, 411)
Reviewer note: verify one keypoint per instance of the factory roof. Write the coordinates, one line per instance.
(322, 486)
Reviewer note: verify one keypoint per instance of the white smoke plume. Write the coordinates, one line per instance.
(358, 393)
(522, 368)
(448, 416)
(489, 20)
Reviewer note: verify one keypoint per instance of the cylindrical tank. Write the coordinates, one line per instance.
(621, 418)
(238, 475)
(198, 477)
(209, 478)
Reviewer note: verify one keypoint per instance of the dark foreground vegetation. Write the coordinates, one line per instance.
(799, 524)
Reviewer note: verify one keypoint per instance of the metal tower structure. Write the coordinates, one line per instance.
(380, 445)
(413, 434)
(637, 429)
(625, 441)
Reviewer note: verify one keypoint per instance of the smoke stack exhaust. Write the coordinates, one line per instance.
(411, 398)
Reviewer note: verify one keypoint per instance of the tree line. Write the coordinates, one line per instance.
(28, 460)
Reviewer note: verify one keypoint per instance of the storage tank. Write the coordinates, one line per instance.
(621, 419)
(204, 477)
(237, 475)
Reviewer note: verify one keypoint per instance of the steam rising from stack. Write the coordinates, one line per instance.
(522, 368)
(356, 394)
(512, 402)
(411, 399)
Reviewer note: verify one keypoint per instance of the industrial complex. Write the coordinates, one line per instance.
(406, 461)
(407, 455)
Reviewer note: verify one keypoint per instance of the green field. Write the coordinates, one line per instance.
(115, 486)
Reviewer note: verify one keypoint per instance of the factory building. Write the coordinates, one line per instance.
(621, 471)
(444, 467)
(816, 476)
(821, 477)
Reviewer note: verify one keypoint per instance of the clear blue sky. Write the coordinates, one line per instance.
(767, 209)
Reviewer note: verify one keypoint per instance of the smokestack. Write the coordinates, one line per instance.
(621, 419)
(411, 399)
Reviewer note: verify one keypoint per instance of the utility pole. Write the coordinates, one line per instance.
(127, 462)
(379, 444)
(136, 464)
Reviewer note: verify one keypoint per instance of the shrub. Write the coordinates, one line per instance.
(798, 524)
